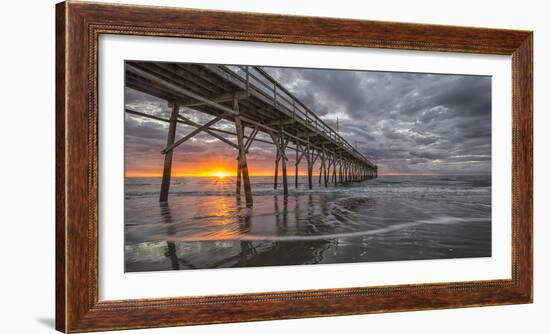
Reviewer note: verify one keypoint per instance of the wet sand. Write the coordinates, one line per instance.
(204, 225)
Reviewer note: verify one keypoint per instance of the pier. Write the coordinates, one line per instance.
(256, 103)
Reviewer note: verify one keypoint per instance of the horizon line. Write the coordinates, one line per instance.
(305, 175)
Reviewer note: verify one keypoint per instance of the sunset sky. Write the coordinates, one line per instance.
(407, 123)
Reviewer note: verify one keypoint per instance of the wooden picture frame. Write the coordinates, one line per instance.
(78, 26)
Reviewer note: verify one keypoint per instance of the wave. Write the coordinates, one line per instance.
(445, 220)
(359, 191)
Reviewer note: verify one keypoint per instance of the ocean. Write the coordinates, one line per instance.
(390, 218)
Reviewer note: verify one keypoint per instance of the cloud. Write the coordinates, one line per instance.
(399, 118)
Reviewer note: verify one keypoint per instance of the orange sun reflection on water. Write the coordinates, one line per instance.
(222, 211)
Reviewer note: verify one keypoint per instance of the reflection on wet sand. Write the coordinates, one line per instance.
(170, 245)
(241, 253)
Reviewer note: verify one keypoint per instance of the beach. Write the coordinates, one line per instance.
(391, 218)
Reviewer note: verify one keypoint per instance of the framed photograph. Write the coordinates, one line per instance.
(223, 166)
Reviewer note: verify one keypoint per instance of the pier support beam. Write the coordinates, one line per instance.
(334, 165)
(346, 175)
(239, 175)
(282, 144)
(309, 158)
(327, 171)
(299, 150)
(247, 144)
(324, 162)
(167, 170)
(243, 166)
(340, 176)
(322, 166)
(276, 174)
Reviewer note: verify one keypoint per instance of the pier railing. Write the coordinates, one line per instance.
(257, 79)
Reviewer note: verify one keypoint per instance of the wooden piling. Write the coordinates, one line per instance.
(334, 180)
(275, 140)
(276, 174)
(296, 164)
(327, 171)
(309, 165)
(344, 172)
(322, 166)
(167, 170)
(320, 170)
(340, 178)
(239, 176)
(283, 143)
(242, 155)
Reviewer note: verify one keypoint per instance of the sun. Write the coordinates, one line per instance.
(220, 174)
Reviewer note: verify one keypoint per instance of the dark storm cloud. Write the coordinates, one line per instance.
(405, 122)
